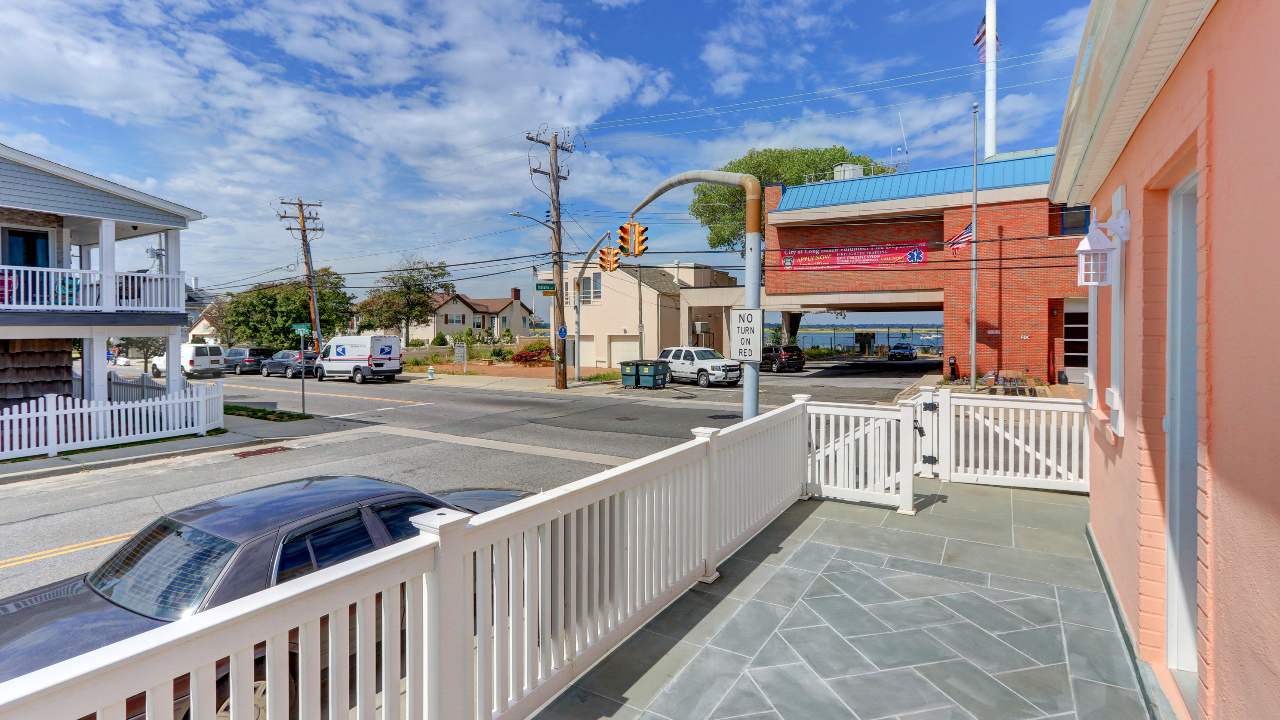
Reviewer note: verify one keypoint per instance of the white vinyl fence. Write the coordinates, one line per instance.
(1024, 442)
(865, 453)
(142, 387)
(31, 288)
(501, 611)
(55, 423)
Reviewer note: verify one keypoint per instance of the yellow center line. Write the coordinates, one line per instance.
(299, 392)
(45, 554)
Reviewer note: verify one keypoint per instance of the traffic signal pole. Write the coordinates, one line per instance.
(753, 240)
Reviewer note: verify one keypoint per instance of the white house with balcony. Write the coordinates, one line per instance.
(58, 281)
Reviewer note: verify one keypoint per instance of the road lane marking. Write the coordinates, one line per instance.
(576, 455)
(361, 412)
(65, 549)
(357, 397)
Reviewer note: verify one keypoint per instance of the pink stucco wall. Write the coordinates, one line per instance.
(1218, 114)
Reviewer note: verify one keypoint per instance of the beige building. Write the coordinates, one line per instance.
(457, 312)
(612, 305)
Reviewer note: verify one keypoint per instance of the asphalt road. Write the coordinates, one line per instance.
(58, 527)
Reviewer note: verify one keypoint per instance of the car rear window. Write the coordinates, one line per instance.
(792, 349)
(215, 351)
(396, 519)
(260, 353)
(164, 571)
(202, 351)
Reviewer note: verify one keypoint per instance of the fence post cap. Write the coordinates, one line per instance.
(440, 520)
(705, 432)
(802, 398)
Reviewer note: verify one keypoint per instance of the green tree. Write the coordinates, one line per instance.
(410, 292)
(150, 347)
(723, 209)
(264, 314)
(440, 339)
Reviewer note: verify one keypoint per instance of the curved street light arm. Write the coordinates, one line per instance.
(526, 217)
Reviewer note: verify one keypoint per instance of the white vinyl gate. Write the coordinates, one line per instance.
(1039, 443)
(864, 453)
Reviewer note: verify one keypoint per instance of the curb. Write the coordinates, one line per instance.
(73, 468)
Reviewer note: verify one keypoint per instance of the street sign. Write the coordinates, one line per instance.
(460, 353)
(641, 328)
(548, 293)
(302, 330)
(562, 332)
(302, 326)
(544, 286)
(746, 335)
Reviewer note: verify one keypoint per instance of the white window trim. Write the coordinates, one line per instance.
(1115, 393)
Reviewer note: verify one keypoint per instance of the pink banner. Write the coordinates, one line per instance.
(853, 256)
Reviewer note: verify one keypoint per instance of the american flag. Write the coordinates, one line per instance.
(981, 40)
(961, 240)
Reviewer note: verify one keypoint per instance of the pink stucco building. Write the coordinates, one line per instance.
(1173, 115)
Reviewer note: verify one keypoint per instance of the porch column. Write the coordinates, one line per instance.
(107, 263)
(64, 248)
(172, 252)
(173, 361)
(86, 257)
(93, 363)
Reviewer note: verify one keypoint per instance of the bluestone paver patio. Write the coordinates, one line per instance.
(986, 605)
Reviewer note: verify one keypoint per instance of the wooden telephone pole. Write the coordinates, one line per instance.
(303, 216)
(554, 146)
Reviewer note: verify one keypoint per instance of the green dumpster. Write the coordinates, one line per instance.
(629, 373)
(652, 373)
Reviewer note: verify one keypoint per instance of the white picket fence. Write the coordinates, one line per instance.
(56, 423)
(865, 453)
(502, 611)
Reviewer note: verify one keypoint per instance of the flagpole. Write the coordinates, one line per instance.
(973, 260)
(992, 46)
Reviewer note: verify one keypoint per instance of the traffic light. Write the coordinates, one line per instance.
(624, 238)
(609, 259)
(638, 239)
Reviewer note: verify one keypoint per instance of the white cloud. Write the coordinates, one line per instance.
(614, 3)
(761, 37)
(1066, 29)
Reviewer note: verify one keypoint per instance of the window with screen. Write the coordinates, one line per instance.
(164, 571)
(396, 519)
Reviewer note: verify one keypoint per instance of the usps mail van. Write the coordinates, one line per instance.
(360, 358)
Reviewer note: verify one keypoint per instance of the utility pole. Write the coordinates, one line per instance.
(307, 234)
(554, 146)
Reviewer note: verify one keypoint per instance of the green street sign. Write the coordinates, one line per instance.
(302, 326)
(545, 286)
(303, 331)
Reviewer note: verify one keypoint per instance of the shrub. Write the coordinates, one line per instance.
(604, 376)
(469, 337)
(417, 342)
(499, 353)
(415, 361)
(537, 345)
(507, 336)
(440, 339)
(531, 355)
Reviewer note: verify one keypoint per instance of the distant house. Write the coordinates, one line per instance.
(456, 312)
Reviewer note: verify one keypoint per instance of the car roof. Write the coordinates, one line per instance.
(247, 514)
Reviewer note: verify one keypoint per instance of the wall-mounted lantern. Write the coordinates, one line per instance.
(1094, 254)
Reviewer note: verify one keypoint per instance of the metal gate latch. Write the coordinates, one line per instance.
(919, 427)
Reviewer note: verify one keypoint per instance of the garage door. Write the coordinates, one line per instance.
(623, 348)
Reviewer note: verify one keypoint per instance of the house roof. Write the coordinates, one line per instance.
(658, 279)
(1033, 168)
(97, 183)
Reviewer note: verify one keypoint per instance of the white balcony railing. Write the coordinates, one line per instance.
(59, 289)
(503, 610)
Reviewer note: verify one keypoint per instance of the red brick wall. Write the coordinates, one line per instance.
(1015, 295)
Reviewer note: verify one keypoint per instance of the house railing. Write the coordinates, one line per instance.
(55, 423)
(59, 289)
(501, 611)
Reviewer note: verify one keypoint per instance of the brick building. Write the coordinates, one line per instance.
(880, 243)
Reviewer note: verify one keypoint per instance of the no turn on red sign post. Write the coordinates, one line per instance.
(746, 335)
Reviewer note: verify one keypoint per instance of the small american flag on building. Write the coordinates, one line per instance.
(981, 40)
(961, 239)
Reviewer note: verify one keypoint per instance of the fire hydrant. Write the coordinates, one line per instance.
(431, 372)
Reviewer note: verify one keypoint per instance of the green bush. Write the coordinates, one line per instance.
(417, 342)
(415, 361)
(538, 346)
(507, 336)
(604, 376)
(499, 353)
(440, 339)
(818, 352)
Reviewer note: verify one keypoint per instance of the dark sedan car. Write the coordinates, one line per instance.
(902, 351)
(291, 363)
(212, 553)
(241, 360)
(783, 357)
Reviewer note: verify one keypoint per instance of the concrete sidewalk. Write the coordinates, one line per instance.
(241, 432)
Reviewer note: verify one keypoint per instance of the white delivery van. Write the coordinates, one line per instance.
(360, 358)
(197, 359)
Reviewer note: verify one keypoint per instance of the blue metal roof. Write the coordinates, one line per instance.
(1012, 172)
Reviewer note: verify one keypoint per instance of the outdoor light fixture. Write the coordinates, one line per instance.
(1095, 251)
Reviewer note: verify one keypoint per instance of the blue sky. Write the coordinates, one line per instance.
(407, 118)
